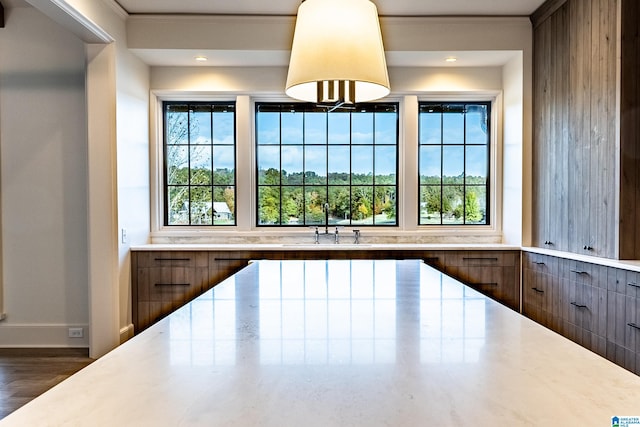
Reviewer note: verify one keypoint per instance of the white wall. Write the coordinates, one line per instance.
(409, 84)
(110, 117)
(509, 83)
(513, 148)
(128, 107)
(133, 171)
(43, 166)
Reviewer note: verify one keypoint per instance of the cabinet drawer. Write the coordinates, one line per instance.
(435, 259)
(536, 291)
(623, 322)
(629, 283)
(479, 258)
(585, 273)
(225, 264)
(588, 308)
(497, 282)
(172, 259)
(540, 263)
(179, 284)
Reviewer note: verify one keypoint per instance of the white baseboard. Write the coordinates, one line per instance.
(42, 335)
(126, 333)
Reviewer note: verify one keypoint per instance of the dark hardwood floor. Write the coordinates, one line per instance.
(27, 373)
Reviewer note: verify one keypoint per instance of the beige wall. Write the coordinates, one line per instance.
(44, 189)
(94, 102)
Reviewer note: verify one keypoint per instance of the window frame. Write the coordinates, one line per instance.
(371, 106)
(164, 103)
(490, 170)
(408, 229)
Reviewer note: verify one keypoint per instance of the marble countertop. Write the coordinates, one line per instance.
(345, 245)
(633, 265)
(341, 342)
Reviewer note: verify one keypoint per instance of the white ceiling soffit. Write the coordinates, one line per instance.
(289, 7)
(67, 16)
(272, 58)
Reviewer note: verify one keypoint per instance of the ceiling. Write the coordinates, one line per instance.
(185, 57)
(289, 7)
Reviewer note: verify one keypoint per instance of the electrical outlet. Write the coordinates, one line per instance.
(123, 235)
(75, 333)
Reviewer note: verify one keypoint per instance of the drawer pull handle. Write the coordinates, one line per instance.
(634, 326)
(232, 259)
(578, 305)
(548, 242)
(487, 284)
(633, 284)
(172, 284)
(579, 272)
(479, 259)
(173, 259)
(539, 263)
(540, 291)
(587, 248)
(431, 259)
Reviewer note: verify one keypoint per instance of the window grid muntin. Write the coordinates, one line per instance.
(214, 107)
(444, 108)
(311, 108)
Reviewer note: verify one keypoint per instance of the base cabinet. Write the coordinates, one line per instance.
(593, 305)
(162, 281)
(493, 273)
(623, 326)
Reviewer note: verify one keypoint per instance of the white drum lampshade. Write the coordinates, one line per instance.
(337, 55)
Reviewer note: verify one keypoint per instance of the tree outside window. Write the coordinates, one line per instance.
(317, 167)
(199, 173)
(454, 151)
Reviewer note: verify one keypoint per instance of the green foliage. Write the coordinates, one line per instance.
(472, 207)
(304, 204)
(269, 177)
(192, 191)
(446, 202)
(269, 205)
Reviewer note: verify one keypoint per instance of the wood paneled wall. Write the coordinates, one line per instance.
(576, 111)
(630, 131)
(551, 220)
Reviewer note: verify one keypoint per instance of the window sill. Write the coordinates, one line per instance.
(426, 235)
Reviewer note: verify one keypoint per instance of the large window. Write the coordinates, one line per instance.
(199, 173)
(326, 168)
(454, 163)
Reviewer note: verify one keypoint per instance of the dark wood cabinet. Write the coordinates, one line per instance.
(623, 322)
(162, 281)
(493, 273)
(595, 306)
(574, 142)
(540, 292)
(585, 152)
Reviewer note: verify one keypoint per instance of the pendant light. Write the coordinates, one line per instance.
(337, 55)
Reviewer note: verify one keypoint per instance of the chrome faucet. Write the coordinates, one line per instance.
(337, 238)
(317, 236)
(356, 237)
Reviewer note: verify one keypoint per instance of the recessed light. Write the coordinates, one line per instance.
(451, 59)
(201, 58)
